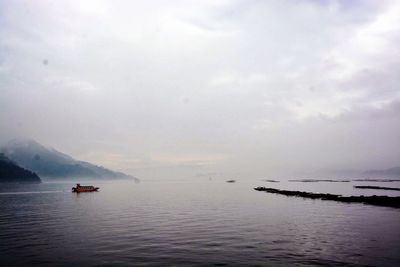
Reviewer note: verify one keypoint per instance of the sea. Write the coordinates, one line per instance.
(194, 222)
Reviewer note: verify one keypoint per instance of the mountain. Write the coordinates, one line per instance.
(52, 164)
(10, 172)
(392, 173)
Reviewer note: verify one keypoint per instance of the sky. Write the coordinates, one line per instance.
(237, 89)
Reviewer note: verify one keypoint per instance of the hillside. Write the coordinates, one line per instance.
(52, 164)
(10, 172)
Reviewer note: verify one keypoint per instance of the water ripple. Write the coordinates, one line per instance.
(207, 224)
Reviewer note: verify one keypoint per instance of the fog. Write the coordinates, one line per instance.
(239, 89)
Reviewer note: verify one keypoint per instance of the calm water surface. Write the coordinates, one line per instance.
(193, 223)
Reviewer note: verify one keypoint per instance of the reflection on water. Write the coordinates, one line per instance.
(192, 223)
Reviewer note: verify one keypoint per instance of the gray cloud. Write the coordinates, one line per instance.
(174, 89)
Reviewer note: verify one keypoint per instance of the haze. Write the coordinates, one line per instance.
(240, 89)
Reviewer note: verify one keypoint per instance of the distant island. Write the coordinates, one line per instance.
(51, 164)
(11, 172)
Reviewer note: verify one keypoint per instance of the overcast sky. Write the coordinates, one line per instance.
(189, 88)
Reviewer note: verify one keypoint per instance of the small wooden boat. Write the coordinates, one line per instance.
(84, 188)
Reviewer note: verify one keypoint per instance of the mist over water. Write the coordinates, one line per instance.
(184, 96)
(192, 223)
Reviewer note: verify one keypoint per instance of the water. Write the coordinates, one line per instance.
(193, 223)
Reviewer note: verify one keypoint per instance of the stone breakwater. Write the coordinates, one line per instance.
(384, 201)
(376, 187)
(377, 180)
(319, 180)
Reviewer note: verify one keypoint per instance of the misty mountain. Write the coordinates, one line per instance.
(392, 172)
(50, 163)
(10, 172)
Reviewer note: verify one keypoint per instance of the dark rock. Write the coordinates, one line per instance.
(319, 180)
(385, 201)
(376, 187)
(377, 180)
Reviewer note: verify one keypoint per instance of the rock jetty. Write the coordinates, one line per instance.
(384, 201)
(377, 180)
(376, 187)
(319, 180)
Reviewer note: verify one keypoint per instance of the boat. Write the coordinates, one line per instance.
(84, 188)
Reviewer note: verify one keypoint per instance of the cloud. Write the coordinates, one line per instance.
(261, 83)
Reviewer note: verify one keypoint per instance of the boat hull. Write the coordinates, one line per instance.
(84, 189)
